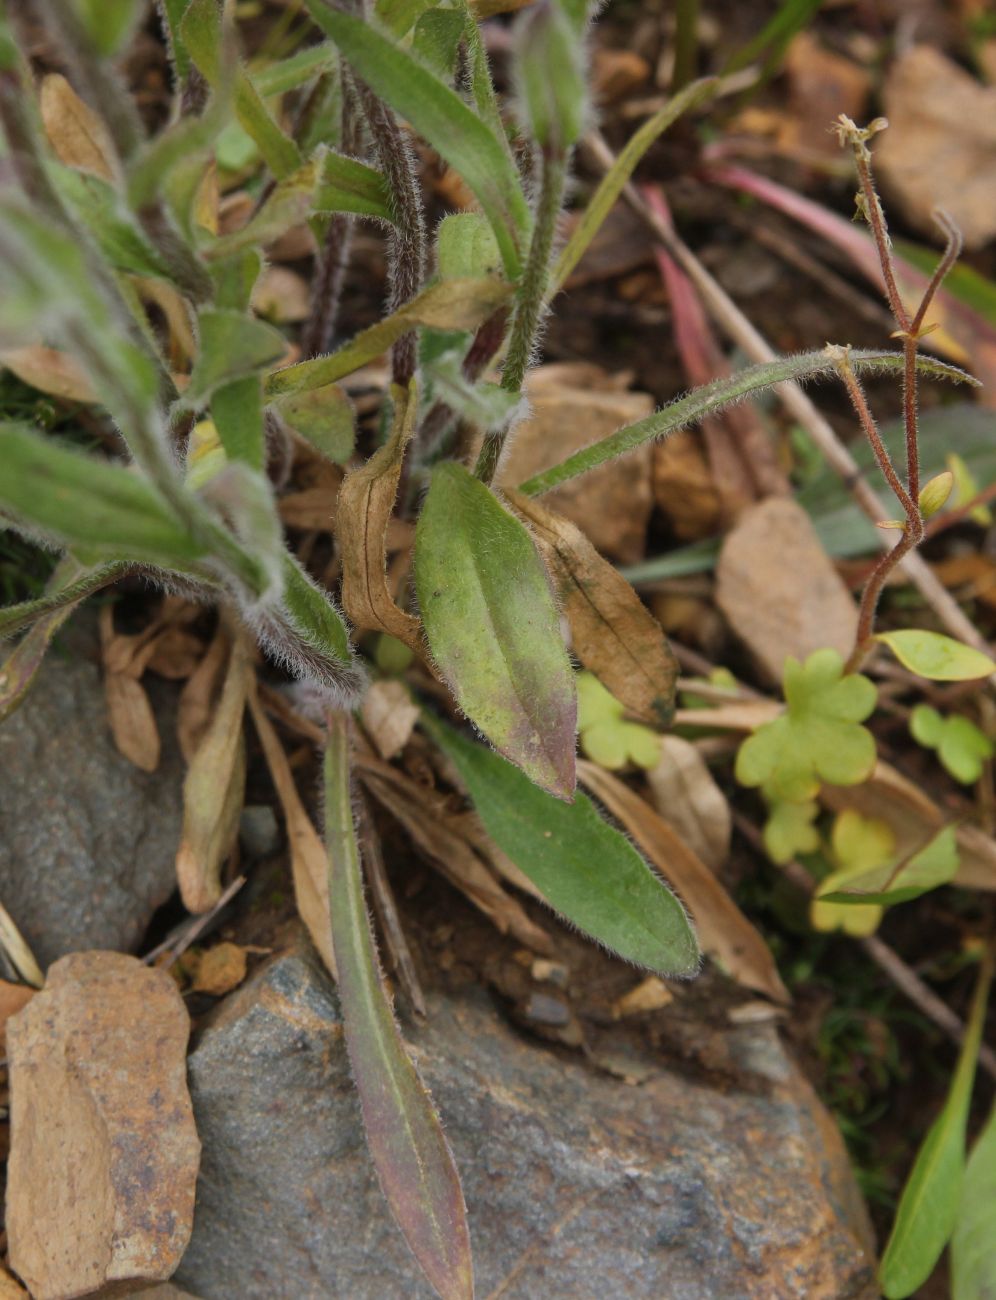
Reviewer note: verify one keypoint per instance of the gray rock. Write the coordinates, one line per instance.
(578, 1187)
(87, 841)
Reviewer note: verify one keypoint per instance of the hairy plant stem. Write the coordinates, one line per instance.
(406, 249)
(910, 329)
(530, 300)
(334, 257)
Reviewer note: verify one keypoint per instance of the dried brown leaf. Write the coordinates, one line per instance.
(724, 932)
(214, 789)
(78, 136)
(9, 1289)
(309, 862)
(366, 503)
(174, 654)
(388, 717)
(613, 634)
(197, 696)
(686, 795)
(50, 371)
(12, 998)
(133, 724)
(649, 995)
(436, 837)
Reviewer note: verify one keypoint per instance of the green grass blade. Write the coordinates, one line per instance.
(721, 393)
(493, 628)
(613, 182)
(973, 1246)
(928, 1208)
(585, 869)
(442, 118)
(413, 1161)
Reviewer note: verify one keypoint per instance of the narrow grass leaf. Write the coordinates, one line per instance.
(451, 305)
(411, 1155)
(584, 868)
(940, 658)
(493, 627)
(614, 181)
(928, 1208)
(721, 393)
(442, 118)
(973, 1245)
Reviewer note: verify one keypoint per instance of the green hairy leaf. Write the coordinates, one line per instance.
(450, 305)
(493, 628)
(324, 417)
(15, 618)
(973, 1245)
(439, 115)
(928, 1208)
(78, 500)
(551, 73)
(584, 868)
(818, 737)
(941, 658)
(714, 396)
(414, 1164)
(232, 346)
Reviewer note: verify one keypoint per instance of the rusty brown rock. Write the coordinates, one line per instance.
(104, 1153)
(612, 504)
(779, 590)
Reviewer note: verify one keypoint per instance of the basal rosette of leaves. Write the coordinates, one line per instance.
(106, 230)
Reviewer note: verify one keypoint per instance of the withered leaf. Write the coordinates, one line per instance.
(388, 716)
(686, 795)
(214, 789)
(133, 724)
(50, 371)
(613, 634)
(309, 861)
(366, 502)
(197, 696)
(724, 932)
(78, 136)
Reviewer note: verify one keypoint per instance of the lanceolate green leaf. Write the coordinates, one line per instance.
(713, 397)
(928, 1208)
(584, 868)
(414, 1163)
(449, 305)
(439, 115)
(973, 1246)
(79, 500)
(493, 627)
(900, 881)
(201, 35)
(232, 346)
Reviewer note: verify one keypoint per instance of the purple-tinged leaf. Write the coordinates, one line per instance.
(411, 1155)
(493, 627)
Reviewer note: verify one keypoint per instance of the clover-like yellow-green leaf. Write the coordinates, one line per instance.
(818, 738)
(789, 830)
(607, 736)
(961, 746)
(859, 844)
(899, 881)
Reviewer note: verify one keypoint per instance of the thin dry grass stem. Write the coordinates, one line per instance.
(741, 331)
